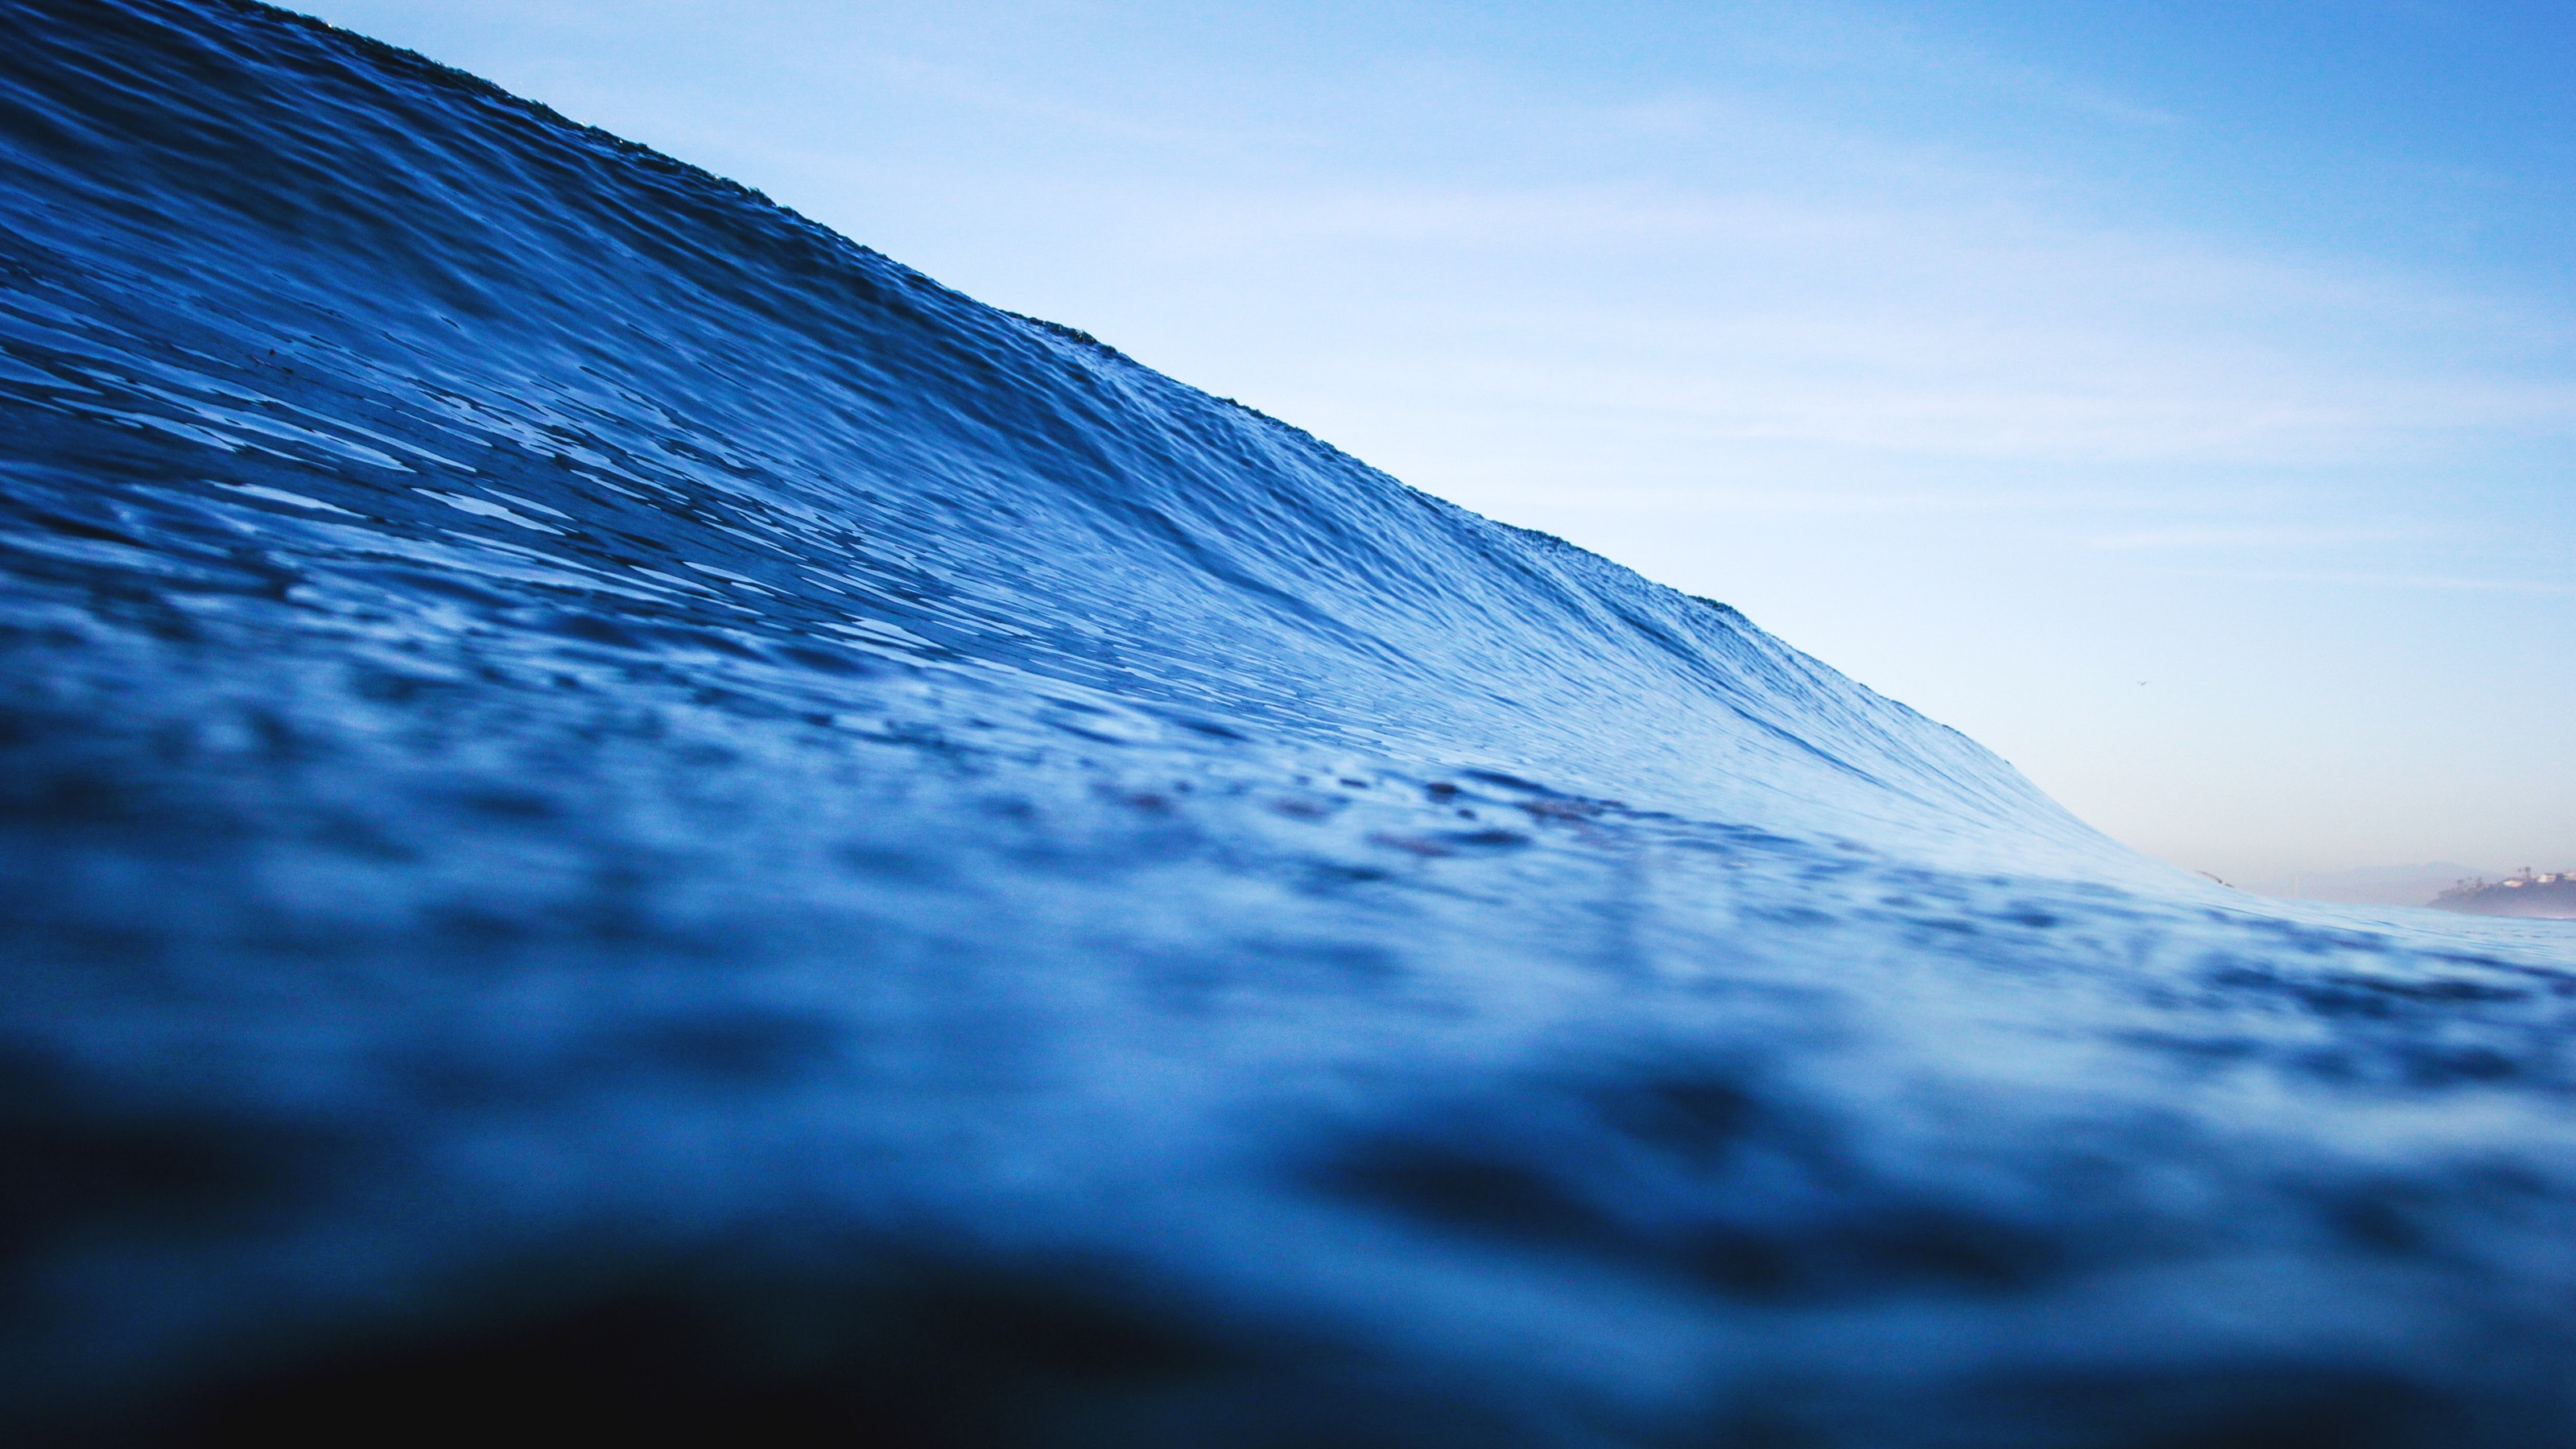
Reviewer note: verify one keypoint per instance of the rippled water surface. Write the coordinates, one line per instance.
(620, 810)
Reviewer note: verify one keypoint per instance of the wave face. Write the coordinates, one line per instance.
(623, 812)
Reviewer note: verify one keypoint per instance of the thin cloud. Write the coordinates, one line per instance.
(1817, 38)
(2263, 537)
(2445, 582)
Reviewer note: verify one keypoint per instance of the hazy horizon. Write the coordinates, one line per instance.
(2388, 885)
(2177, 399)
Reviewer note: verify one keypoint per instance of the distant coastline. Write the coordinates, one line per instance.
(2550, 896)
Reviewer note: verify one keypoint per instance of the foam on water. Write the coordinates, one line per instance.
(621, 809)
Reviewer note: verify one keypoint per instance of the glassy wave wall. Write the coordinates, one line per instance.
(617, 811)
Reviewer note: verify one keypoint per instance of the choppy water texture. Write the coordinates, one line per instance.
(625, 815)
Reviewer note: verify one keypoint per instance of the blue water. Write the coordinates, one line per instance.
(627, 818)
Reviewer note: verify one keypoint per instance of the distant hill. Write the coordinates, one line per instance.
(2390, 885)
(2545, 895)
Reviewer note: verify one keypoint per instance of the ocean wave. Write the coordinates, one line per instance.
(623, 811)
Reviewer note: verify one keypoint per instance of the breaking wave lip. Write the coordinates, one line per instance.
(621, 811)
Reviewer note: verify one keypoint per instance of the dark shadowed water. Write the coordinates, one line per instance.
(622, 818)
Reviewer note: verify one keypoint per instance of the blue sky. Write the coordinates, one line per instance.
(2003, 355)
